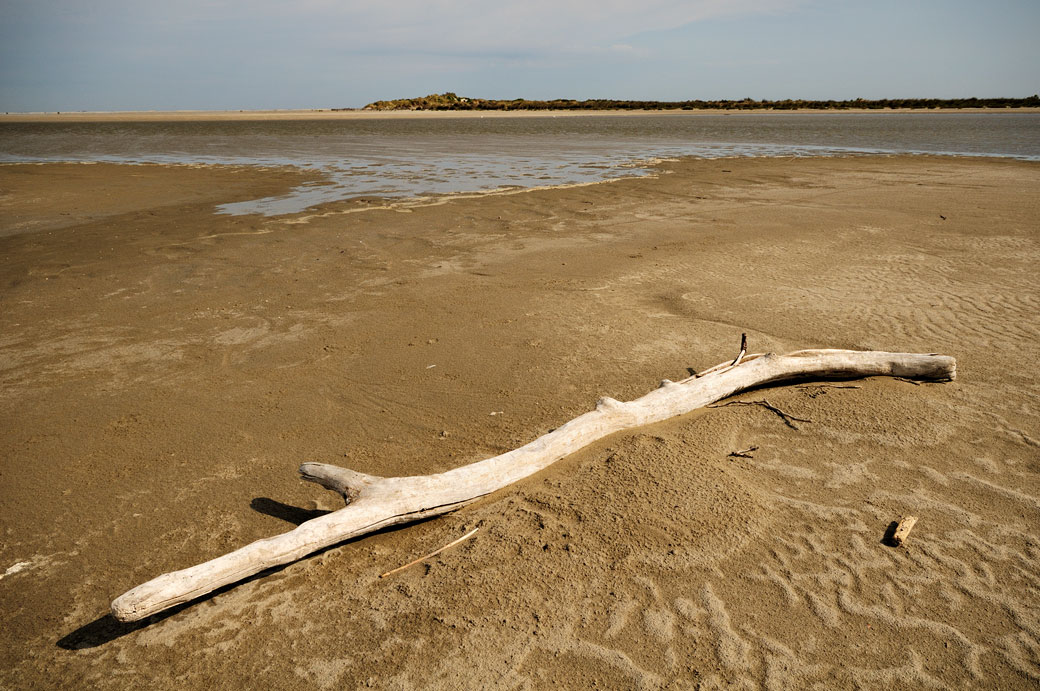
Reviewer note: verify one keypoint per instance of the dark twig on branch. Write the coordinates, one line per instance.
(743, 350)
(727, 366)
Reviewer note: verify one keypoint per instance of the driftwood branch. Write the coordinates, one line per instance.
(377, 502)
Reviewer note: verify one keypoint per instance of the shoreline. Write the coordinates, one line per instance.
(164, 370)
(365, 202)
(330, 114)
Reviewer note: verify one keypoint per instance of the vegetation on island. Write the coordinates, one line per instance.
(450, 101)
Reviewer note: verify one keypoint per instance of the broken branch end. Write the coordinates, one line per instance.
(348, 483)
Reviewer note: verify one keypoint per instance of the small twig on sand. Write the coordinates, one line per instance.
(830, 386)
(786, 417)
(814, 390)
(434, 553)
(908, 381)
(746, 453)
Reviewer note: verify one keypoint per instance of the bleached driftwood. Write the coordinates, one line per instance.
(377, 502)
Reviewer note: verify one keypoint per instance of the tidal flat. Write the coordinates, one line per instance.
(165, 368)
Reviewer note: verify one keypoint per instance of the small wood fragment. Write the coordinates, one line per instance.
(434, 553)
(903, 528)
(746, 453)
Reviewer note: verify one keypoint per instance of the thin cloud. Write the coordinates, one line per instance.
(409, 26)
(536, 26)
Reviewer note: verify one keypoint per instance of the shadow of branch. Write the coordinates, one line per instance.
(107, 628)
(286, 512)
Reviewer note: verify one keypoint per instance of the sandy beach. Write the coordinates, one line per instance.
(165, 369)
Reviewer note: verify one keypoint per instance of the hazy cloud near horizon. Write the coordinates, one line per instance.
(116, 54)
(536, 27)
(437, 26)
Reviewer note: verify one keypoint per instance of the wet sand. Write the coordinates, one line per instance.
(164, 370)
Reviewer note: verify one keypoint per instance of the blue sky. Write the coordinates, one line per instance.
(238, 54)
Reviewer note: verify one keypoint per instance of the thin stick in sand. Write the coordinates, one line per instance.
(434, 553)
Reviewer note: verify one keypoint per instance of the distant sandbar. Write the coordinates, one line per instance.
(340, 114)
